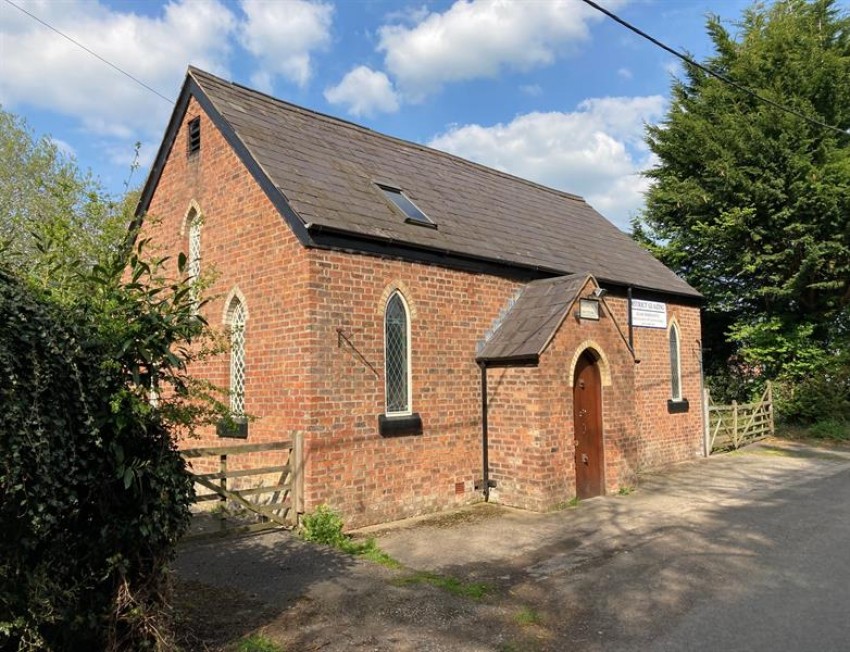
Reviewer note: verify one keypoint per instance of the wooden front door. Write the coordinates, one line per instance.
(587, 419)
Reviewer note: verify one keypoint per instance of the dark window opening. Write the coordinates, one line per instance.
(413, 213)
(193, 143)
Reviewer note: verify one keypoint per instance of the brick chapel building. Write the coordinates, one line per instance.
(438, 331)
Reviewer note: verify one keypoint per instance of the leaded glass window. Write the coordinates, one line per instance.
(675, 366)
(194, 263)
(237, 358)
(397, 356)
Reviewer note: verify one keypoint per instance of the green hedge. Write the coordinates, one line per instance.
(93, 493)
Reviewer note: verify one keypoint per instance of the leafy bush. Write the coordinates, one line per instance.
(324, 526)
(831, 429)
(822, 395)
(94, 492)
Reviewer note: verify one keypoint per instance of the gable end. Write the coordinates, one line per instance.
(192, 89)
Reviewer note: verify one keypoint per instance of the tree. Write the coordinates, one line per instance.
(46, 201)
(751, 204)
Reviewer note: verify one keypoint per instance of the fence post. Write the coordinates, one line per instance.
(735, 424)
(706, 427)
(222, 468)
(770, 407)
(297, 466)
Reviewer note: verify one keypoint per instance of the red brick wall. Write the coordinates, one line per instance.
(668, 437)
(303, 375)
(351, 466)
(246, 245)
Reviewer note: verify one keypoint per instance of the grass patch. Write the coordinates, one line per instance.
(527, 617)
(325, 526)
(625, 491)
(258, 643)
(370, 550)
(472, 590)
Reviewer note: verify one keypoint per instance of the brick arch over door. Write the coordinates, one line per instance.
(601, 359)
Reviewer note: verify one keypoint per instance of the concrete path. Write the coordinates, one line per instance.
(745, 551)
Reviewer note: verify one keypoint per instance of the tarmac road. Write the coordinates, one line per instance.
(745, 551)
(796, 595)
(748, 551)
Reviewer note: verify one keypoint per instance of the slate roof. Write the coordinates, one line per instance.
(324, 172)
(530, 324)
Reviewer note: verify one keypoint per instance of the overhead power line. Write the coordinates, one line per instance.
(94, 54)
(713, 73)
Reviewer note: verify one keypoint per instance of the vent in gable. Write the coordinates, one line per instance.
(193, 139)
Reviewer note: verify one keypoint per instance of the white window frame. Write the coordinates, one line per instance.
(408, 348)
(237, 309)
(675, 370)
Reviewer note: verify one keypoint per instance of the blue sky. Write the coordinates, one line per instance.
(546, 89)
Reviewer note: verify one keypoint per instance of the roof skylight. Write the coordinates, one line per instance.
(413, 213)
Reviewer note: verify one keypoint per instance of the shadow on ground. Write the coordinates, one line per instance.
(228, 588)
(613, 574)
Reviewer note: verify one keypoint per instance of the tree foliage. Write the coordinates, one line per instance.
(46, 201)
(752, 204)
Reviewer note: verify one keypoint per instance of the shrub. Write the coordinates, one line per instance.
(94, 492)
(831, 429)
(324, 526)
(823, 395)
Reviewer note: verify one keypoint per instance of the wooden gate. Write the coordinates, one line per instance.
(283, 496)
(732, 426)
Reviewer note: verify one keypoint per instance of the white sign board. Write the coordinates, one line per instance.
(649, 314)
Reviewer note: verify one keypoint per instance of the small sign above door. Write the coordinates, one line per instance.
(649, 314)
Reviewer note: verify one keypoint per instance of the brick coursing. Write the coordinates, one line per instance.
(314, 353)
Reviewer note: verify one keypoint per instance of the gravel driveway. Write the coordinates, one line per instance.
(640, 571)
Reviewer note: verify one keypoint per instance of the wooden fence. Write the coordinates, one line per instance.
(283, 498)
(732, 426)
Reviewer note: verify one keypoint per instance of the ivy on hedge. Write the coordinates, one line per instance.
(93, 493)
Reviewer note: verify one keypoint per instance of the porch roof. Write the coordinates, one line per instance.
(531, 323)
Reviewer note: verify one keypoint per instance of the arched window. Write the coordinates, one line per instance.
(397, 355)
(194, 258)
(236, 318)
(675, 365)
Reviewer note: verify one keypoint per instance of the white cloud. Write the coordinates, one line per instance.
(365, 92)
(625, 73)
(283, 36)
(596, 151)
(44, 70)
(480, 38)
(534, 90)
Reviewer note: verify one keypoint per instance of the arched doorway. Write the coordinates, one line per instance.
(587, 420)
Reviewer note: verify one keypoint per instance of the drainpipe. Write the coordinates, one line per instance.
(484, 435)
(631, 327)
